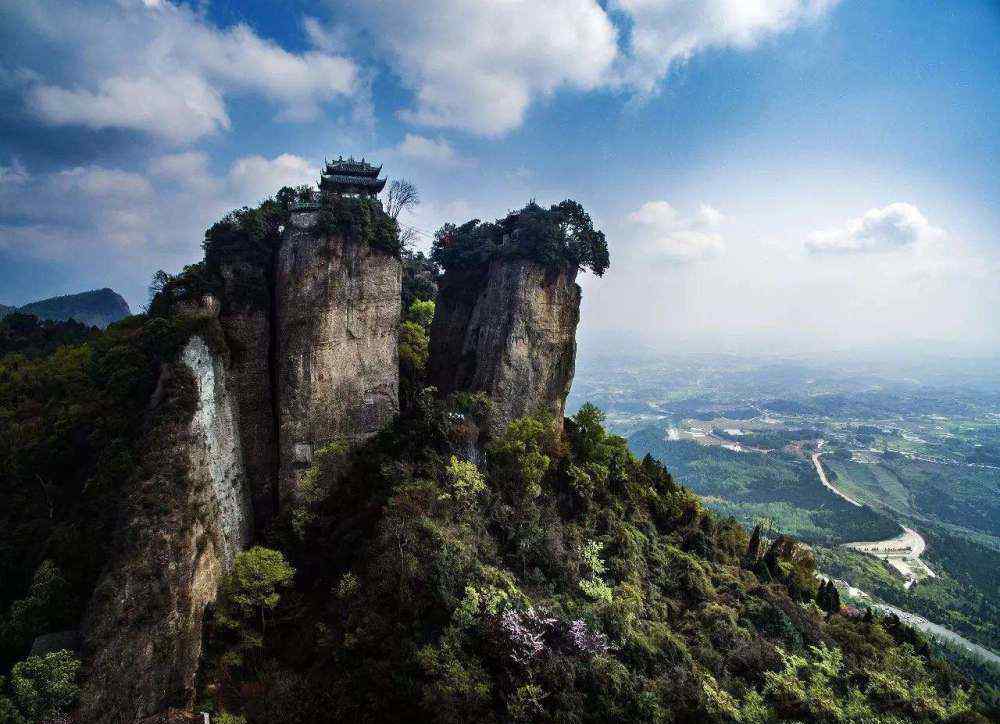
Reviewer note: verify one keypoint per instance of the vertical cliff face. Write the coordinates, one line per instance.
(338, 312)
(508, 331)
(248, 330)
(188, 517)
(302, 352)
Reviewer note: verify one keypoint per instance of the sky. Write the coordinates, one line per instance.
(773, 176)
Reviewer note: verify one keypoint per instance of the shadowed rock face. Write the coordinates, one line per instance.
(188, 516)
(508, 331)
(338, 313)
(247, 330)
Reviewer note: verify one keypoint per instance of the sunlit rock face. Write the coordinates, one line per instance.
(338, 314)
(188, 516)
(508, 331)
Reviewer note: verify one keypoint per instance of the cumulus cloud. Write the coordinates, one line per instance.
(663, 233)
(165, 69)
(666, 32)
(432, 152)
(890, 228)
(478, 66)
(156, 218)
(254, 178)
(177, 108)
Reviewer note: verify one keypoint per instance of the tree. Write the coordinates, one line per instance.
(402, 195)
(754, 547)
(253, 585)
(44, 609)
(421, 312)
(44, 687)
(414, 349)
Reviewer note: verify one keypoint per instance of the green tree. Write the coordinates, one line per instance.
(252, 587)
(44, 687)
(421, 312)
(414, 350)
(44, 609)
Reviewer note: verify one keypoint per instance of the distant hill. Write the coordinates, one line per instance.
(97, 308)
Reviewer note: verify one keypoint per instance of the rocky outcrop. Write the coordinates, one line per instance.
(248, 331)
(508, 331)
(187, 518)
(338, 313)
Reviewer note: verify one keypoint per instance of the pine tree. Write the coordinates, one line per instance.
(834, 599)
(753, 548)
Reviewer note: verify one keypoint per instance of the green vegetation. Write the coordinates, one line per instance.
(560, 236)
(41, 688)
(69, 430)
(360, 220)
(31, 337)
(946, 600)
(750, 486)
(559, 579)
(420, 278)
(241, 249)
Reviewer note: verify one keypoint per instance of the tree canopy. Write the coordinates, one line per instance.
(558, 237)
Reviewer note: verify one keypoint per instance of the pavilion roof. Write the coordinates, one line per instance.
(350, 167)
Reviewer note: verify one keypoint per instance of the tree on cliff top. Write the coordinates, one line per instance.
(560, 236)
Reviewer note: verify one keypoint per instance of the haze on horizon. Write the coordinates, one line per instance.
(783, 176)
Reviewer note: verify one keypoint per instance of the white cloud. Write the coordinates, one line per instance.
(666, 32)
(13, 174)
(478, 66)
(662, 233)
(62, 214)
(890, 228)
(176, 107)
(164, 69)
(432, 152)
(253, 178)
(96, 182)
(187, 170)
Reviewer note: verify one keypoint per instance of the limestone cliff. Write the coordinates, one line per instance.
(187, 517)
(508, 331)
(338, 313)
(249, 337)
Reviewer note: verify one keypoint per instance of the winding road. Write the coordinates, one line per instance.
(901, 552)
(826, 483)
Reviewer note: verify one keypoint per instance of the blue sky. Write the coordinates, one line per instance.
(775, 175)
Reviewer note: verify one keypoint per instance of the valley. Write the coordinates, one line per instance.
(888, 471)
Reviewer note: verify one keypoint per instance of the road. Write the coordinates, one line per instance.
(826, 483)
(902, 552)
(918, 622)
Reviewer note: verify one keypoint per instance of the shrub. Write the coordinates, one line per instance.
(44, 687)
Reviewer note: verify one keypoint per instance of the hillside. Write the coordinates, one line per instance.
(96, 308)
(272, 516)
